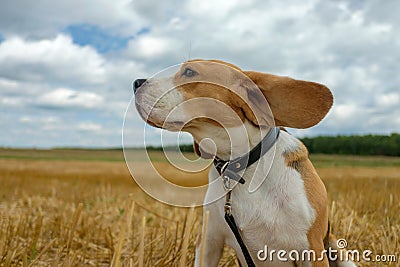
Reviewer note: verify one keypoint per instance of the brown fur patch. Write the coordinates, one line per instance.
(214, 82)
(293, 103)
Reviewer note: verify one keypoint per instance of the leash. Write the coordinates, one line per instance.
(228, 170)
(232, 224)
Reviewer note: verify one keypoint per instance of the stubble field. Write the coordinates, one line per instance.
(82, 208)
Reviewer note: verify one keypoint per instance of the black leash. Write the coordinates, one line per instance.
(232, 224)
(229, 171)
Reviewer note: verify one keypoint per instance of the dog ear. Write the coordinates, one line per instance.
(199, 152)
(294, 103)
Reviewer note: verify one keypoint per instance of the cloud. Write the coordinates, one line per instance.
(90, 126)
(389, 100)
(44, 19)
(148, 47)
(57, 60)
(63, 97)
(76, 63)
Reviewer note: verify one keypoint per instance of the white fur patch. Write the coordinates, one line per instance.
(278, 214)
(158, 99)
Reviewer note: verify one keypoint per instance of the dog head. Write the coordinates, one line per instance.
(212, 93)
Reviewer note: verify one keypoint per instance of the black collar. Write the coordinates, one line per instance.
(232, 167)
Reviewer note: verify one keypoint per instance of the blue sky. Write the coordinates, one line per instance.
(103, 41)
(93, 35)
(66, 73)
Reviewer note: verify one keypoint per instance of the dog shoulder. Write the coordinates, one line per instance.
(296, 157)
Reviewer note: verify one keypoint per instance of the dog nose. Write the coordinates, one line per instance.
(137, 83)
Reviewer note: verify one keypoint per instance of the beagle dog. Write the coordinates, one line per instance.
(282, 206)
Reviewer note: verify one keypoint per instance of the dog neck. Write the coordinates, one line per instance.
(229, 143)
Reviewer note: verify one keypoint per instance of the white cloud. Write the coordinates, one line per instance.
(25, 119)
(63, 97)
(89, 126)
(44, 18)
(57, 60)
(35, 125)
(10, 101)
(351, 46)
(389, 99)
(41, 120)
(4, 83)
(148, 46)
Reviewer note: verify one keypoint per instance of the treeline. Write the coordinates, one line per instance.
(385, 145)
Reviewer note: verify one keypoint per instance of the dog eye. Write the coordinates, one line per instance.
(189, 73)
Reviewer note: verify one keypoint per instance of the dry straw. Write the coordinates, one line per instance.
(185, 244)
(74, 222)
(204, 238)
(43, 224)
(142, 242)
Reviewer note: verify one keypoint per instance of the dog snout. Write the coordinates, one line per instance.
(137, 83)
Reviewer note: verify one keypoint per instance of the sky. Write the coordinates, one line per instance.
(67, 67)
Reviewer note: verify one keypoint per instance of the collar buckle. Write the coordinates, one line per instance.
(227, 181)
